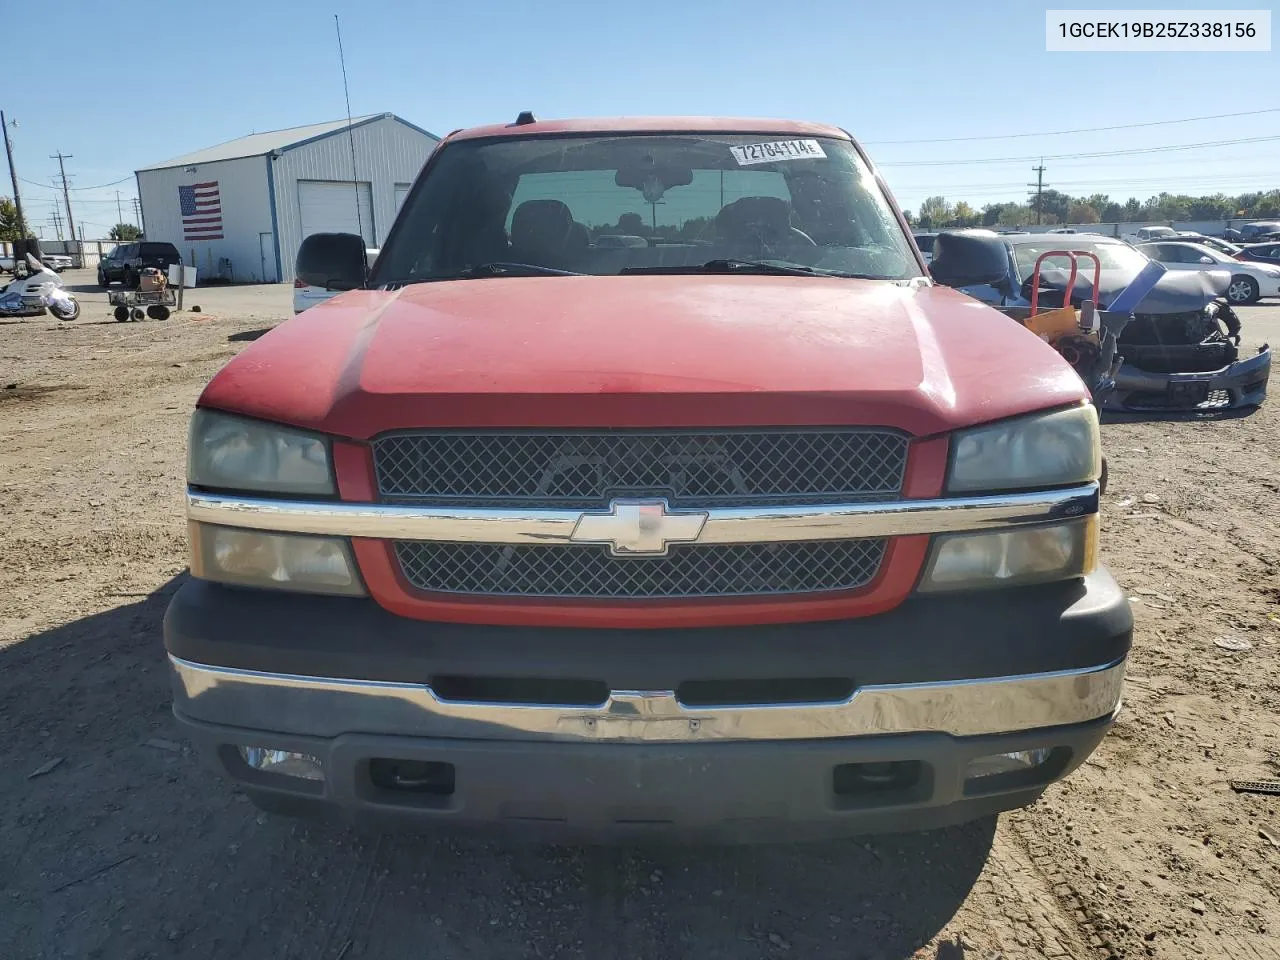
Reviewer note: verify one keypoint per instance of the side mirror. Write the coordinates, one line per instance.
(335, 261)
(965, 260)
(1206, 259)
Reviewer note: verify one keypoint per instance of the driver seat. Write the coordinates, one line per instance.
(543, 232)
(753, 223)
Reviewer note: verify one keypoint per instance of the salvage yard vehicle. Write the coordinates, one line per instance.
(1143, 234)
(1181, 350)
(1268, 252)
(759, 535)
(127, 261)
(1248, 283)
(1213, 243)
(57, 262)
(1259, 230)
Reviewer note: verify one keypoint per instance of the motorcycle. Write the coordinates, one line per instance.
(39, 291)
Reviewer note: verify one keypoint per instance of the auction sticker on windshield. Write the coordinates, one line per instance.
(750, 153)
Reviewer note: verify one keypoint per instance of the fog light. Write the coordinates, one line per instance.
(282, 561)
(300, 765)
(1034, 554)
(999, 763)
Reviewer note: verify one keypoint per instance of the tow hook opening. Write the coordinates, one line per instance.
(423, 778)
(881, 784)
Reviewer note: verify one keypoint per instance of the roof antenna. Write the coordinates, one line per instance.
(351, 137)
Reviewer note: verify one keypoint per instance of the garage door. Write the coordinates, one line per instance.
(328, 206)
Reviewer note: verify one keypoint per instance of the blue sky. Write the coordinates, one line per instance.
(119, 88)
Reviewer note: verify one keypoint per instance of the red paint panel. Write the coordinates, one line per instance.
(926, 468)
(353, 470)
(645, 351)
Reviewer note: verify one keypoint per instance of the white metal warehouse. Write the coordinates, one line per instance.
(240, 210)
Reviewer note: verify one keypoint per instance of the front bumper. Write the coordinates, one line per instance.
(1239, 384)
(934, 685)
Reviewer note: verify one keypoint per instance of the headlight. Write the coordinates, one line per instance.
(232, 453)
(250, 558)
(1035, 554)
(1045, 450)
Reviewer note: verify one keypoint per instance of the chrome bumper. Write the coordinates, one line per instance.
(320, 707)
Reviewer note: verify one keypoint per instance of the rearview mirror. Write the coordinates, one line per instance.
(651, 179)
(1206, 259)
(335, 261)
(965, 259)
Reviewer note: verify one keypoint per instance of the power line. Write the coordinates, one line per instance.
(1059, 133)
(1268, 177)
(98, 187)
(1067, 156)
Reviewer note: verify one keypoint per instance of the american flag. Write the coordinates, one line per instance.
(201, 211)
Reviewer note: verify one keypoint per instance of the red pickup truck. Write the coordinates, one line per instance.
(753, 529)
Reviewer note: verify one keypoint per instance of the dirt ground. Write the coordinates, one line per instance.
(117, 843)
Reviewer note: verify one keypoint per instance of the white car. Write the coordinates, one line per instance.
(57, 262)
(305, 297)
(1147, 234)
(1249, 281)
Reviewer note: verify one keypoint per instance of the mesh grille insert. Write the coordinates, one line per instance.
(690, 570)
(690, 468)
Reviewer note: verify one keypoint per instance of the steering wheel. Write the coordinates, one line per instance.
(804, 237)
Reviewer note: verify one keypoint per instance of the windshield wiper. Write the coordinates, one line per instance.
(763, 267)
(731, 266)
(497, 268)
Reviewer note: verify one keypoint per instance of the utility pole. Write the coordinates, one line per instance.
(137, 213)
(66, 194)
(57, 222)
(13, 175)
(119, 215)
(1039, 185)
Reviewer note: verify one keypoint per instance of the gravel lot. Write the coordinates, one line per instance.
(127, 847)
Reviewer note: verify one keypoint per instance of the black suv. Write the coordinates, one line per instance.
(127, 261)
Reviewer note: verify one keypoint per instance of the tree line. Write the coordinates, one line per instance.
(9, 225)
(938, 213)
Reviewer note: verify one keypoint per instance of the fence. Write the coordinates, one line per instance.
(86, 253)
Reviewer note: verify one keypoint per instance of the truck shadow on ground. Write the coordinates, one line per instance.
(119, 842)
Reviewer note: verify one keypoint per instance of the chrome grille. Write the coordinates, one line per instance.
(691, 570)
(586, 469)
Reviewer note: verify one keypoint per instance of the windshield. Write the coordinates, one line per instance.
(1113, 256)
(612, 204)
(1217, 255)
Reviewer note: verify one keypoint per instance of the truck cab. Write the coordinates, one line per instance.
(751, 530)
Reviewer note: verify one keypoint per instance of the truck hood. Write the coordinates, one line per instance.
(645, 351)
(1177, 291)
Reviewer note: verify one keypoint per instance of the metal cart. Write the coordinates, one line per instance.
(137, 304)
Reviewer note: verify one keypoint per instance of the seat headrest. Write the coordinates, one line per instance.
(541, 225)
(754, 214)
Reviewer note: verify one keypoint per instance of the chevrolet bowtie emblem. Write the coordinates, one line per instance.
(638, 527)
